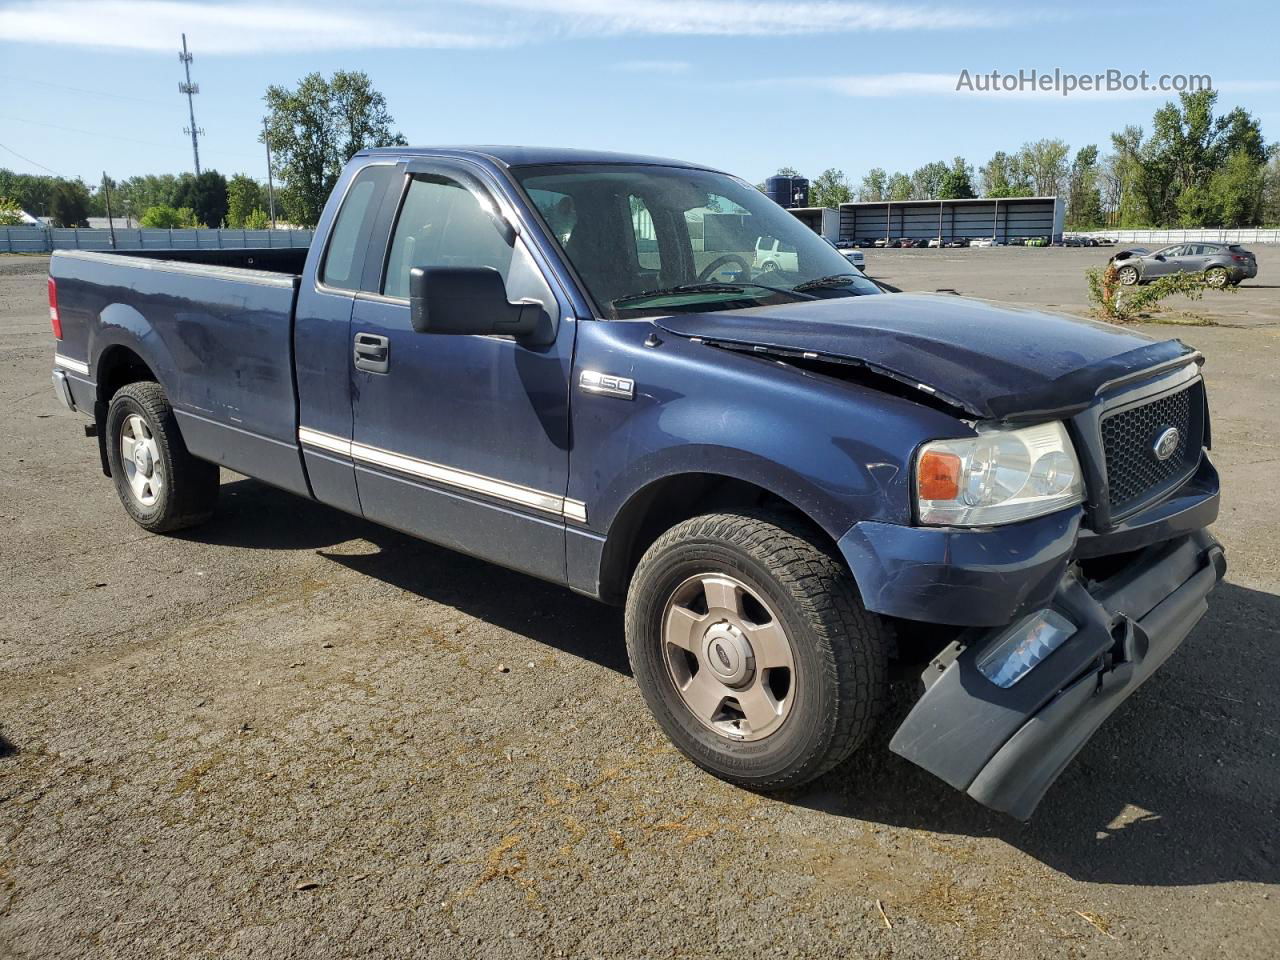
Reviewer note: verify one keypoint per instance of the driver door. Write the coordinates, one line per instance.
(461, 439)
(1162, 262)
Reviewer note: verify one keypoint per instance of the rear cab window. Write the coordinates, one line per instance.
(345, 256)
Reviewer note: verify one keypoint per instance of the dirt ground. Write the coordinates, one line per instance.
(293, 734)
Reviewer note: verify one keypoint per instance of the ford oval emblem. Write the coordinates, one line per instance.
(1166, 444)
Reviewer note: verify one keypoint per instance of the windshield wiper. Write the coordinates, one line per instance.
(821, 283)
(682, 288)
(709, 287)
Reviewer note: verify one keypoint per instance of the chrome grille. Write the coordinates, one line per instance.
(1135, 474)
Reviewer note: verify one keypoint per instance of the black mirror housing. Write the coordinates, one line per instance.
(468, 301)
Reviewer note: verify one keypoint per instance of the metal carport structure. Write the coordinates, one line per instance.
(1000, 218)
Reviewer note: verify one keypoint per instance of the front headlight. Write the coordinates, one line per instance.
(999, 476)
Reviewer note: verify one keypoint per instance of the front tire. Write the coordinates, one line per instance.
(751, 648)
(162, 486)
(1128, 276)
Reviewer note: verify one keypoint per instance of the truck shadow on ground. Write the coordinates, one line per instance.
(252, 515)
(1181, 786)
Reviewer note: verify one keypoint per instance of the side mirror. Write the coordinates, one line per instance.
(467, 301)
(1158, 256)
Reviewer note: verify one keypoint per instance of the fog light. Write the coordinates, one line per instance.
(1023, 646)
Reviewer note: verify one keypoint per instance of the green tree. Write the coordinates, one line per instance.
(898, 187)
(137, 194)
(244, 196)
(1044, 163)
(1003, 176)
(315, 128)
(163, 216)
(206, 195)
(957, 183)
(257, 220)
(830, 189)
(31, 192)
(69, 204)
(1169, 177)
(1233, 196)
(1271, 190)
(1084, 199)
(10, 212)
(926, 181)
(875, 186)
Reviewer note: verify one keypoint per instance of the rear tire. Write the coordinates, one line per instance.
(816, 675)
(1216, 277)
(162, 486)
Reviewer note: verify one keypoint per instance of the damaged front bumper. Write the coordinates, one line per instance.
(1005, 746)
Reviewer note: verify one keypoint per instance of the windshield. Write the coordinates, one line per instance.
(649, 240)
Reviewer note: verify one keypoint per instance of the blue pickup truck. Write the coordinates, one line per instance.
(572, 364)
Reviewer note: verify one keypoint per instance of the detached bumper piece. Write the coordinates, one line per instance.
(1005, 745)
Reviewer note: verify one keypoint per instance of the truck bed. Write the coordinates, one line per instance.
(217, 335)
(286, 260)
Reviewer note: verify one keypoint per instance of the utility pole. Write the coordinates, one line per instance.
(106, 189)
(190, 89)
(271, 190)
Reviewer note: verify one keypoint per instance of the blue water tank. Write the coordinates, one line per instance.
(788, 191)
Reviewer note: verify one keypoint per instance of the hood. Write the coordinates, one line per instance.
(990, 360)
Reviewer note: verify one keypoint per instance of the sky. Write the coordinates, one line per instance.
(742, 85)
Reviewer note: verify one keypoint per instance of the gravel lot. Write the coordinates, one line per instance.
(294, 734)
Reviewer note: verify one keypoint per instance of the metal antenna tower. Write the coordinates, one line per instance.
(191, 89)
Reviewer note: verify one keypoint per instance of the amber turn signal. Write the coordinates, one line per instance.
(938, 476)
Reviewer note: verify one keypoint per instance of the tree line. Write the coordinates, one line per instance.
(1193, 169)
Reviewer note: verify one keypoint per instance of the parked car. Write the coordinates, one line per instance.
(1037, 241)
(1221, 263)
(788, 478)
(853, 255)
(982, 242)
(884, 242)
(774, 254)
(935, 242)
(957, 242)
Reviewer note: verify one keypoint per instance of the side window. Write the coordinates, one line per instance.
(349, 238)
(441, 225)
(645, 236)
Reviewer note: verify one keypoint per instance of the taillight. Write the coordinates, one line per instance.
(54, 319)
(1239, 259)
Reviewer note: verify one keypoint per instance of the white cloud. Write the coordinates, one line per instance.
(753, 18)
(238, 28)
(670, 67)
(245, 27)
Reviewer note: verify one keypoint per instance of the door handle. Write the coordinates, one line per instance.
(372, 352)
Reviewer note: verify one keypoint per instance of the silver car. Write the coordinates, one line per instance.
(1221, 263)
